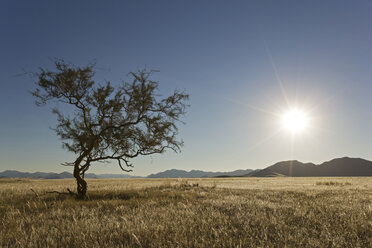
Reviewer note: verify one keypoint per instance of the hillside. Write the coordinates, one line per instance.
(196, 174)
(52, 175)
(340, 167)
(165, 174)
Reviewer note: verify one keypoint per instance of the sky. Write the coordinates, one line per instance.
(244, 64)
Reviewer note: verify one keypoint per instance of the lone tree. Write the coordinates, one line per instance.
(109, 123)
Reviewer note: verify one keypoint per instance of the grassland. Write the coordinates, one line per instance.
(242, 212)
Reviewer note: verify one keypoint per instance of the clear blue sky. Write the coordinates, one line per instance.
(242, 62)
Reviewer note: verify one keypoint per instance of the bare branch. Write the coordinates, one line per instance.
(109, 123)
(126, 162)
(67, 164)
(69, 192)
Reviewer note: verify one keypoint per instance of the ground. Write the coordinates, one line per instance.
(224, 212)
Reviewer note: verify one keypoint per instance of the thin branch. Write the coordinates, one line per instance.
(62, 193)
(126, 162)
(67, 164)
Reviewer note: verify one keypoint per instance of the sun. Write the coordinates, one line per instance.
(295, 121)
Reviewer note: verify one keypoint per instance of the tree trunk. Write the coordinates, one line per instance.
(81, 184)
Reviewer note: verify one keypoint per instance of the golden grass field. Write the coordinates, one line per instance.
(226, 212)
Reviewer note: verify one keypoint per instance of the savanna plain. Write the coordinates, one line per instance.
(215, 212)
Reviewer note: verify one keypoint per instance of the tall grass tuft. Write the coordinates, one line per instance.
(244, 212)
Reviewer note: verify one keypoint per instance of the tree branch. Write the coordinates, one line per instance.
(126, 162)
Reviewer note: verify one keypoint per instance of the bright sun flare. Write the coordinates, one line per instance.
(295, 121)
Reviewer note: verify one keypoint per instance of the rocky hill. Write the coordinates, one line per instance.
(339, 167)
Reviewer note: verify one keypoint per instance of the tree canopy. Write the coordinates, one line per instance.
(109, 123)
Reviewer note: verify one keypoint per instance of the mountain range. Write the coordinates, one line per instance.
(52, 175)
(339, 167)
(198, 174)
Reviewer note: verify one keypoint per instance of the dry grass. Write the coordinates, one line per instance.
(242, 212)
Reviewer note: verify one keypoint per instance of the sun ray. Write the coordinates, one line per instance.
(251, 106)
(268, 138)
(278, 79)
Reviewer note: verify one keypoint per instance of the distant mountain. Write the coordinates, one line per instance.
(197, 174)
(51, 175)
(43, 175)
(339, 167)
(111, 176)
(166, 174)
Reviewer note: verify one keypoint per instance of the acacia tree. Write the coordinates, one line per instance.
(109, 123)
